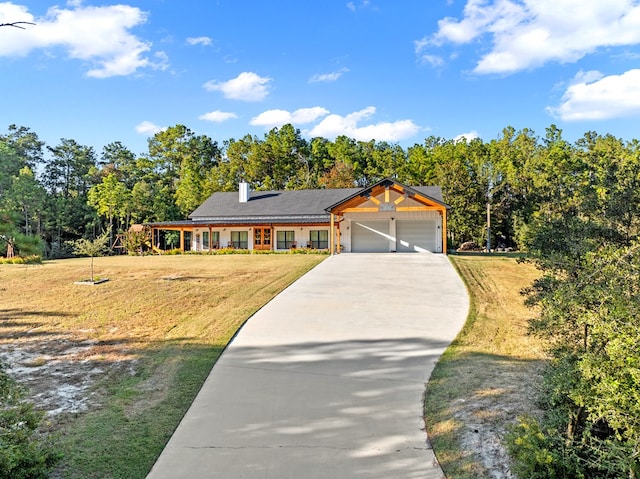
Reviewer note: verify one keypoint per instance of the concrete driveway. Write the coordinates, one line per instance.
(327, 380)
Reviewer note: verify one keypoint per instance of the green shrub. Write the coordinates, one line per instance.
(24, 453)
(536, 455)
(33, 259)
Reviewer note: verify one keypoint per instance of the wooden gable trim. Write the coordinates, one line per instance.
(383, 189)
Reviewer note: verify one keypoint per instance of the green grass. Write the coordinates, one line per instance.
(487, 376)
(157, 327)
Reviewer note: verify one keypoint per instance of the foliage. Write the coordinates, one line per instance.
(35, 259)
(584, 237)
(23, 453)
(92, 248)
(537, 455)
(137, 240)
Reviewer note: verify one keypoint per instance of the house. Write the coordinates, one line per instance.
(385, 217)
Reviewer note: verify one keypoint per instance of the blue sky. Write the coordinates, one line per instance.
(396, 71)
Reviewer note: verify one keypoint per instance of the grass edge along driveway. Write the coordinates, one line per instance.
(487, 376)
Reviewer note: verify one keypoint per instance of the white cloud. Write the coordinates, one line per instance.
(205, 41)
(97, 35)
(328, 77)
(218, 116)
(529, 33)
(336, 125)
(353, 6)
(433, 60)
(471, 135)
(247, 86)
(273, 118)
(596, 97)
(149, 128)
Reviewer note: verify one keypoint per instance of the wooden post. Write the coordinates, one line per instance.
(333, 235)
(444, 231)
(182, 239)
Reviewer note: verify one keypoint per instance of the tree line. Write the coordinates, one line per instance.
(65, 192)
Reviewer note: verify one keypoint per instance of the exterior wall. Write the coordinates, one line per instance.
(301, 233)
(224, 235)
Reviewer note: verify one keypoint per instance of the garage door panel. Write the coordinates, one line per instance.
(370, 236)
(416, 235)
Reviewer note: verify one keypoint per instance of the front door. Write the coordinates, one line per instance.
(262, 238)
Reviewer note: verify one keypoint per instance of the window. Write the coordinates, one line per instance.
(240, 239)
(215, 239)
(319, 239)
(285, 239)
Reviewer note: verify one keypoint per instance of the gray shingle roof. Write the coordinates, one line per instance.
(310, 204)
(271, 203)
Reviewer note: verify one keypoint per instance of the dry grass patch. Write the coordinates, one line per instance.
(487, 376)
(116, 365)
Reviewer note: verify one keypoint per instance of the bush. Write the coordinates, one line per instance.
(34, 259)
(24, 454)
(536, 455)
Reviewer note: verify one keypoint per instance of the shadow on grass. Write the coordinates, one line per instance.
(6, 314)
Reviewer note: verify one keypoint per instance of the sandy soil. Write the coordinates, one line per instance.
(61, 373)
(508, 393)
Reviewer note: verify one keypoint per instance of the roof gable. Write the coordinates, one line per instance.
(387, 193)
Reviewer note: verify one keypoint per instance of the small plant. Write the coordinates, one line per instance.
(23, 455)
(92, 248)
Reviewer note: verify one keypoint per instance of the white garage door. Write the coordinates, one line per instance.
(417, 235)
(370, 236)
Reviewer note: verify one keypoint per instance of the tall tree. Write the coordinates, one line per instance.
(118, 159)
(25, 201)
(68, 179)
(182, 162)
(111, 199)
(26, 144)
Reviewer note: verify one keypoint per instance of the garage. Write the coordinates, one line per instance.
(370, 236)
(417, 236)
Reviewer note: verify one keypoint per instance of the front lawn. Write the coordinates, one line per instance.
(118, 364)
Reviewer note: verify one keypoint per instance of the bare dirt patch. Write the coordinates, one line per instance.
(505, 393)
(61, 372)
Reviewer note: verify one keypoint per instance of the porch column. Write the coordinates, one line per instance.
(182, 239)
(210, 241)
(333, 235)
(444, 231)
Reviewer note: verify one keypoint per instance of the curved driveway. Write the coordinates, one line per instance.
(327, 380)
